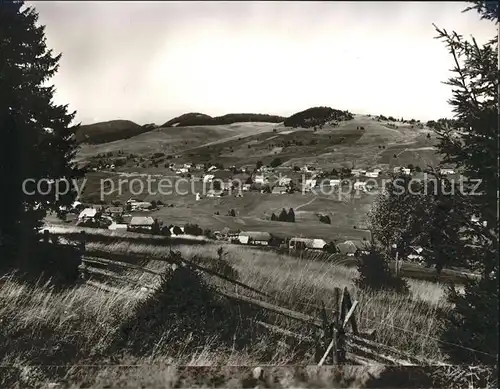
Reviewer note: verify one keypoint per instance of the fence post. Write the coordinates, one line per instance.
(331, 331)
(83, 239)
(346, 306)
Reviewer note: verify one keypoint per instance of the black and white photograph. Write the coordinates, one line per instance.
(249, 194)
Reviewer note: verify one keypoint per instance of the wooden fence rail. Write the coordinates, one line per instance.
(334, 345)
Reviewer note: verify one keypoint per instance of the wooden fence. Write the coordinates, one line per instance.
(337, 339)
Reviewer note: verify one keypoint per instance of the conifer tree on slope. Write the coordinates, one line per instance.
(37, 141)
(473, 322)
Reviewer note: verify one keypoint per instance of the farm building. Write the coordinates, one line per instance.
(118, 227)
(279, 190)
(140, 205)
(87, 213)
(140, 223)
(335, 183)
(347, 248)
(114, 211)
(254, 237)
(306, 243)
(373, 174)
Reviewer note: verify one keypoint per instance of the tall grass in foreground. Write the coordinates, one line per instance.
(409, 323)
(78, 326)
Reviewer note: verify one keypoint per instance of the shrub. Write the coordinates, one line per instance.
(193, 229)
(183, 307)
(374, 273)
(462, 327)
(325, 219)
(276, 162)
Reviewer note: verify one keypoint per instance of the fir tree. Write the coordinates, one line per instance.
(283, 217)
(291, 216)
(470, 142)
(37, 140)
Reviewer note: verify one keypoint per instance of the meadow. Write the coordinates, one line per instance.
(79, 326)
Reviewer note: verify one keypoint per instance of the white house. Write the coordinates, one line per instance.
(87, 213)
(445, 171)
(335, 183)
(208, 178)
(260, 179)
(198, 197)
(117, 227)
(406, 171)
(254, 237)
(372, 174)
(182, 170)
(140, 205)
(188, 165)
(314, 244)
(397, 169)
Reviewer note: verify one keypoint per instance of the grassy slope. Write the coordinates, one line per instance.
(82, 322)
(173, 140)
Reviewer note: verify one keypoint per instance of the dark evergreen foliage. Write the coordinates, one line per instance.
(37, 137)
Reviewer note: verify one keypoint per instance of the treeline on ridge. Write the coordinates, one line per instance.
(198, 119)
(316, 116)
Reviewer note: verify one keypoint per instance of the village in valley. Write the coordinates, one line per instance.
(217, 182)
(249, 195)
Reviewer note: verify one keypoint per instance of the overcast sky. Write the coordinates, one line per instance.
(149, 62)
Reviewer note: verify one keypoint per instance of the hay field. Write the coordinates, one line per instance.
(77, 326)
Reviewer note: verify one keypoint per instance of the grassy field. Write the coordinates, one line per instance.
(79, 326)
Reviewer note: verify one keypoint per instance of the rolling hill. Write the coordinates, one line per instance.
(109, 131)
(200, 119)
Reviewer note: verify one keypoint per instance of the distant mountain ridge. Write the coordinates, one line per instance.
(113, 130)
(200, 119)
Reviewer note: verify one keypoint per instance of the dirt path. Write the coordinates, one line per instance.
(305, 204)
